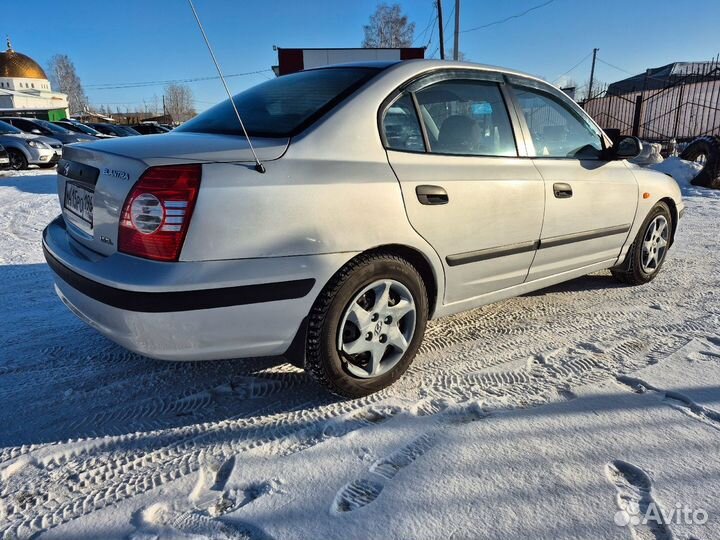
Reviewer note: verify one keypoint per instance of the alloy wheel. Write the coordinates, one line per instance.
(655, 244)
(376, 328)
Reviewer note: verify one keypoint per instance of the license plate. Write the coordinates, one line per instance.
(79, 202)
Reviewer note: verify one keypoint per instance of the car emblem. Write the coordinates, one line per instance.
(66, 168)
(378, 328)
(122, 175)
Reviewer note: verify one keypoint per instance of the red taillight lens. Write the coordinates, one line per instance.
(157, 212)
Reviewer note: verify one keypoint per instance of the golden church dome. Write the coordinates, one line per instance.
(15, 64)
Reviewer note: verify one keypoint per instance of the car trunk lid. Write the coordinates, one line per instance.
(95, 179)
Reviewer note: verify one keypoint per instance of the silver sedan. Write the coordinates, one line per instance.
(386, 194)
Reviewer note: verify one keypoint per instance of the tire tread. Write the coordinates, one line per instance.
(316, 319)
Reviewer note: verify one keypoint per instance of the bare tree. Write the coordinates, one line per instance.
(65, 79)
(179, 102)
(581, 92)
(388, 28)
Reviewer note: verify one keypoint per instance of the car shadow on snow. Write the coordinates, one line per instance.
(60, 379)
(44, 183)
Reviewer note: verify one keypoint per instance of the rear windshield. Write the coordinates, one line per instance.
(284, 106)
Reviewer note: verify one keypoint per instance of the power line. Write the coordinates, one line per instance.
(509, 18)
(433, 17)
(615, 67)
(449, 18)
(116, 86)
(574, 67)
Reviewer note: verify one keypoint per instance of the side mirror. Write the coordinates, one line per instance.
(627, 147)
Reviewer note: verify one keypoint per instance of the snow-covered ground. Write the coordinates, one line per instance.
(538, 417)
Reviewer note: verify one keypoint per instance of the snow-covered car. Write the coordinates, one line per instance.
(26, 149)
(383, 194)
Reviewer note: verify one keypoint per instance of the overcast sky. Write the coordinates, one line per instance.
(128, 41)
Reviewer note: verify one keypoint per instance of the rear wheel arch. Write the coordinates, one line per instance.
(420, 262)
(296, 350)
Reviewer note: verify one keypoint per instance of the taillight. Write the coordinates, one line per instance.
(157, 212)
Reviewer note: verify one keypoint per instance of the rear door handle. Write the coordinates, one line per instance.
(562, 190)
(431, 195)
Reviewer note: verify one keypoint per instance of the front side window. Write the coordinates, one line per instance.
(467, 117)
(401, 126)
(283, 106)
(557, 131)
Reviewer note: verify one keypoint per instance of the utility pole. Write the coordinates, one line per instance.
(592, 75)
(456, 44)
(442, 32)
(164, 110)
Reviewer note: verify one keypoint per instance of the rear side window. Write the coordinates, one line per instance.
(401, 126)
(556, 130)
(283, 106)
(466, 117)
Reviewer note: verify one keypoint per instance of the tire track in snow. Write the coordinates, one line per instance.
(547, 341)
(131, 475)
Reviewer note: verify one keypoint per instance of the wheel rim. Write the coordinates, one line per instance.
(16, 161)
(701, 159)
(376, 328)
(655, 244)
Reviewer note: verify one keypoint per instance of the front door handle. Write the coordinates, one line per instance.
(562, 190)
(431, 195)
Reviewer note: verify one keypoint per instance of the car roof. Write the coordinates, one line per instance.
(424, 64)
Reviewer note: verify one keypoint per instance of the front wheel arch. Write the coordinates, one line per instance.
(673, 214)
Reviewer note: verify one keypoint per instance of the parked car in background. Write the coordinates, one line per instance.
(43, 127)
(79, 127)
(27, 149)
(388, 193)
(150, 128)
(113, 129)
(4, 158)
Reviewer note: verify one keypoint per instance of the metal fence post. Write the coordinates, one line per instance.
(636, 116)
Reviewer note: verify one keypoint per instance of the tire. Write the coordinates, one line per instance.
(634, 271)
(18, 161)
(349, 375)
(706, 150)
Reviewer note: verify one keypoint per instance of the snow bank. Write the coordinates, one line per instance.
(683, 172)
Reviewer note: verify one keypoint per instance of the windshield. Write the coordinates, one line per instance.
(284, 106)
(53, 127)
(7, 128)
(84, 129)
(126, 130)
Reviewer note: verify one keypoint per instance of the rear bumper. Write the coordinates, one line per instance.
(188, 310)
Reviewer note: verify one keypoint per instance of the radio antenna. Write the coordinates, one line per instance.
(259, 167)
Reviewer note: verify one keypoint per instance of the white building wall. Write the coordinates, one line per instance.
(18, 83)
